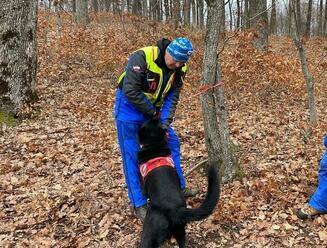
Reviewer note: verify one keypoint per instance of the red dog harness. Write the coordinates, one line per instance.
(154, 163)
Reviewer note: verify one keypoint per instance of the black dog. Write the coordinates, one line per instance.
(167, 213)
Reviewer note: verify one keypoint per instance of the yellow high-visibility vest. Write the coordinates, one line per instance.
(151, 54)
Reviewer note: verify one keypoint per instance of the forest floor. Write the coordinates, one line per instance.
(61, 182)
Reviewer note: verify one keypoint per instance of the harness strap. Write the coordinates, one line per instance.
(154, 163)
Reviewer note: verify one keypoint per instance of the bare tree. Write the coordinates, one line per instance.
(200, 15)
(273, 18)
(230, 16)
(321, 7)
(238, 14)
(18, 58)
(299, 17)
(307, 76)
(308, 22)
(325, 21)
(194, 13)
(95, 5)
(246, 17)
(73, 5)
(137, 7)
(176, 13)
(259, 21)
(82, 16)
(212, 101)
(167, 9)
(186, 12)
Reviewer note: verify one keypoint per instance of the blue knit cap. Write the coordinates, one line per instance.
(180, 49)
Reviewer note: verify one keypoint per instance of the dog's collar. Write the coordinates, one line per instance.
(154, 163)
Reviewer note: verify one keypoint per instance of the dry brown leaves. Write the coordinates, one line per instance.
(61, 182)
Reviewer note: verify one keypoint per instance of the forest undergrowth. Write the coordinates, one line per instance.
(61, 182)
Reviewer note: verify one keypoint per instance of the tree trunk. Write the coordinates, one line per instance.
(238, 15)
(246, 17)
(145, 9)
(308, 80)
(166, 7)
(107, 5)
(298, 16)
(137, 7)
(230, 16)
(325, 21)
(58, 18)
(273, 18)
(308, 23)
(307, 76)
(259, 16)
(319, 17)
(200, 13)
(186, 12)
(194, 14)
(176, 13)
(212, 101)
(82, 16)
(18, 57)
(73, 5)
(95, 5)
(223, 17)
(290, 17)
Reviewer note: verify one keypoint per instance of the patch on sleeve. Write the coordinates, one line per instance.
(136, 68)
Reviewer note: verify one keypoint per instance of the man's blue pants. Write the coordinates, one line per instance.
(129, 147)
(319, 199)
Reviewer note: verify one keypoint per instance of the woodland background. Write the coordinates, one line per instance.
(61, 183)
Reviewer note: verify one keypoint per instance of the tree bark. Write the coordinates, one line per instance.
(73, 5)
(325, 21)
(290, 17)
(95, 5)
(186, 11)
(320, 21)
(18, 57)
(259, 16)
(238, 14)
(137, 7)
(212, 101)
(273, 18)
(223, 17)
(145, 9)
(176, 13)
(200, 13)
(230, 16)
(166, 8)
(298, 16)
(308, 23)
(194, 14)
(307, 76)
(82, 15)
(246, 16)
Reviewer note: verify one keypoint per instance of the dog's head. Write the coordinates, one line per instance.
(151, 132)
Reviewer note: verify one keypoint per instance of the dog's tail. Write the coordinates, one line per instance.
(206, 208)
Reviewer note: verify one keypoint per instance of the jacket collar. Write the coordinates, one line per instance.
(160, 61)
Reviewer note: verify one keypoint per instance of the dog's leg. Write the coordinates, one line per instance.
(179, 234)
(155, 229)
